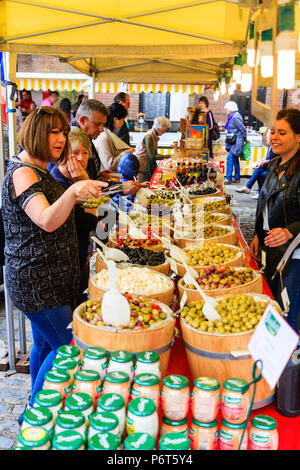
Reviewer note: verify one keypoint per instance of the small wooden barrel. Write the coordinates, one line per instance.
(160, 268)
(236, 262)
(164, 297)
(255, 285)
(159, 340)
(229, 238)
(114, 244)
(196, 198)
(215, 355)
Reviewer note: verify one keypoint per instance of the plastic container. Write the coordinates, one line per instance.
(263, 434)
(204, 436)
(117, 382)
(39, 417)
(288, 388)
(58, 380)
(69, 350)
(80, 402)
(95, 358)
(175, 397)
(230, 436)
(36, 438)
(50, 399)
(139, 441)
(168, 425)
(146, 385)
(104, 421)
(234, 403)
(68, 440)
(87, 381)
(104, 441)
(115, 404)
(147, 362)
(142, 417)
(68, 420)
(174, 441)
(121, 361)
(205, 399)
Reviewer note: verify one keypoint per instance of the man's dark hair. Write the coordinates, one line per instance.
(120, 97)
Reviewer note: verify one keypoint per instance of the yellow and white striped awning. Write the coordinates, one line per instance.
(105, 87)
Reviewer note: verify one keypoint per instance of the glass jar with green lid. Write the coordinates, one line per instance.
(69, 350)
(104, 441)
(80, 402)
(231, 434)
(68, 440)
(95, 358)
(205, 399)
(139, 441)
(174, 441)
(38, 417)
(175, 397)
(147, 362)
(87, 381)
(59, 380)
(70, 420)
(104, 421)
(146, 385)
(142, 417)
(117, 382)
(36, 438)
(115, 404)
(263, 434)
(121, 361)
(169, 425)
(204, 436)
(235, 401)
(66, 363)
(50, 399)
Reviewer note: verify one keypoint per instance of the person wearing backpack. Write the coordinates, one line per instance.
(213, 128)
(234, 143)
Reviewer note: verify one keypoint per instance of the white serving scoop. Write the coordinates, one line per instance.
(209, 302)
(111, 253)
(114, 307)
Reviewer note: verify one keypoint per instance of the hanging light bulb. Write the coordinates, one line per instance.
(266, 53)
(233, 85)
(216, 95)
(246, 82)
(286, 45)
(251, 47)
(237, 70)
(223, 88)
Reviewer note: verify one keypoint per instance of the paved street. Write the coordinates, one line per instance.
(15, 387)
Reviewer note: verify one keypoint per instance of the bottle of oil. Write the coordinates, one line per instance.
(288, 388)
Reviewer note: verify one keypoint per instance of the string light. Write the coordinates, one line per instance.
(286, 45)
(251, 47)
(266, 53)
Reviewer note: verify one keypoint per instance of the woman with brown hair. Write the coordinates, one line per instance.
(278, 211)
(41, 248)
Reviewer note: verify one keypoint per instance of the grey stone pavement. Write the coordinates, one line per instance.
(15, 386)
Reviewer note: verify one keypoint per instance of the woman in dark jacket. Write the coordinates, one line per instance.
(235, 126)
(278, 211)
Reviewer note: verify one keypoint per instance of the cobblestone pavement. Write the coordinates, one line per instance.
(15, 387)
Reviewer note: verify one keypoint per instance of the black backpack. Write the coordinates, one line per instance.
(215, 131)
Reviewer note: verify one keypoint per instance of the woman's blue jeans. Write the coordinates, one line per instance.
(259, 175)
(49, 331)
(233, 162)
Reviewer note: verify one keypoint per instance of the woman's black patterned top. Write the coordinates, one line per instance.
(41, 268)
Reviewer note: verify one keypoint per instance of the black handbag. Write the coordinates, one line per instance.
(230, 139)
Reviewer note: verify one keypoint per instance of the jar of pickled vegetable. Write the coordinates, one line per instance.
(36, 438)
(104, 441)
(174, 441)
(139, 441)
(231, 435)
(235, 403)
(50, 399)
(39, 417)
(66, 364)
(68, 440)
(175, 397)
(58, 380)
(204, 436)
(69, 350)
(206, 399)
(121, 361)
(119, 383)
(142, 417)
(95, 358)
(147, 362)
(82, 402)
(263, 434)
(115, 404)
(70, 420)
(87, 381)
(146, 385)
(169, 425)
(104, 421)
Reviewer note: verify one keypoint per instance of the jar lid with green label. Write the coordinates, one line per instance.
(142, 406)
(233, 425)
(38, 416)
(87, 375)
(171, 422)
(139, 441)
(94, 352)
(64, 363)
(78, 401)
(34, 437)
(117, 377)
(48, 398)
(207, 383)
(111, 402)
(146, 379)
(235, 385)
(70, 419)
(211, 424)
(121, 356)
(68, 350)
(176, 381)
(264, 422)
(174, 441)
(104, 421)
(147, 357)
(57, 376)
(104, 441)
(67, 440)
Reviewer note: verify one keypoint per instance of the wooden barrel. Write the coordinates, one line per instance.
(255, 285)
(160, 268)
(159, 340)
(164, 297)
(230, 238)
(113, 243)
(217, 356)
(226, 219)
(196, 198)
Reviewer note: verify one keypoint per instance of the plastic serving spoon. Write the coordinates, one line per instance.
(111, 253)
(114, 307)
(209, 302)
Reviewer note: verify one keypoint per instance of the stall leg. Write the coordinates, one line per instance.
(9, 327)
